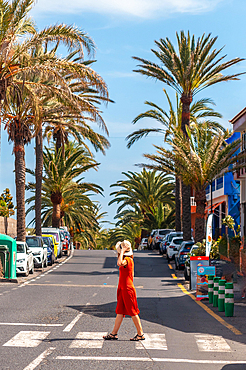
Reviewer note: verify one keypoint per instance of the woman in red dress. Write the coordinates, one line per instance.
(126, 293)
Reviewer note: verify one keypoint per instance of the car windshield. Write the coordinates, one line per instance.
(178, 241)
(20, 248)
(46, 240)
(32, 242)
(55, 235)
(164, 232)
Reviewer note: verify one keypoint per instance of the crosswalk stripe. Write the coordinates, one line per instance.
(153, 341)
(39, 359)
(211, 343)
(88, 340)
(27, 339)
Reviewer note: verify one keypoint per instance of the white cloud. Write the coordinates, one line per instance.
(136, 8)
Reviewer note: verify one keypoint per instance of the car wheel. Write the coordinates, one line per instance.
(185, 274)
(65, 252)
(176, 266)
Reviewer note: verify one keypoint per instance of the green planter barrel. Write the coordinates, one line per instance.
(8, 253)
(215, 291)
(221, 295)
(229, 300)
(210, 287)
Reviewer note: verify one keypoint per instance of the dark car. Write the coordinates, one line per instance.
(50, 250)
(182, 255)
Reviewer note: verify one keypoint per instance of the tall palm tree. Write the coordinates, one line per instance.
(173, 119)
(63, 189)
(18, 39)
(197, 160)
(193, 67)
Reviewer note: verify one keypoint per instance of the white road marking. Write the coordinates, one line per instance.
(73, 322)
(88, 340)
(27, 324)
(153, 341)
(27, 339)
(39, 359)
(83, 358)
(212, 343)
(147, 359)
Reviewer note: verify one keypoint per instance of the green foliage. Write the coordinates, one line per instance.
(230, 222)
(6, 204)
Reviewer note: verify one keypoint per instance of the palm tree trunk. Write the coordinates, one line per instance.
(200, 199)
(56, 215)
(177, 205)
(58, 139)
(186, 208)
(38, 185)
(20, 182)
(6, 225)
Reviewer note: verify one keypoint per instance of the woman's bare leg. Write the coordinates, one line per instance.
(137, 323)
(117, 324)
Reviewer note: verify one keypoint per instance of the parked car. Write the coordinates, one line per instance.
(159, 236)
(53, 242)
(143, 244)
(187, 263)
(182, 254)
(24, 262)
(163, 245)
(150, 238)
(39, 250)
(56, 233)
(50, 250)
(173, 247)
(64, 240)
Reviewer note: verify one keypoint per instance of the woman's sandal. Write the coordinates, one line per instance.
(110, 337)
(138, 337)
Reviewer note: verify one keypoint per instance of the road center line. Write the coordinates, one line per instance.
(39, 359)
(210, 312)
(73, 322)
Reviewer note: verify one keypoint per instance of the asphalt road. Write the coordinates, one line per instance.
(56, 321)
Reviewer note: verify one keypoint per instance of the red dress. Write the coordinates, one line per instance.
(126, 293)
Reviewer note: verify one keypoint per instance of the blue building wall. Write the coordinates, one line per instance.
(232, 190)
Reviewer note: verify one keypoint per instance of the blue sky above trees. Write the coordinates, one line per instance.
(122, 29)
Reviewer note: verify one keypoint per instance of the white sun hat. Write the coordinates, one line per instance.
(125, 243)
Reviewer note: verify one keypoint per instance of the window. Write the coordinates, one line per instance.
(208, 189)
(243, 141)
(213, 186)
(219, 183)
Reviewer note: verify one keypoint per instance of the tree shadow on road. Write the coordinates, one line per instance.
(176, 312)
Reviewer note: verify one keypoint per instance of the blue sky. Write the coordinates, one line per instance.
(122, 29)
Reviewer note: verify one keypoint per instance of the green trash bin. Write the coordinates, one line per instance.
(4, 257)
(8, 245)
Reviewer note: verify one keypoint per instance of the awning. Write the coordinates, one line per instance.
(208, 208)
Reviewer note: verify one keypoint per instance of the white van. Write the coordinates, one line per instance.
(56, 233)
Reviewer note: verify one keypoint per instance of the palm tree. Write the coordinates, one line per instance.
(64, 116)
(197, 160)
(195, 66)
(199, 110)
(18, 39)
(142, 192)
(63, 191)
